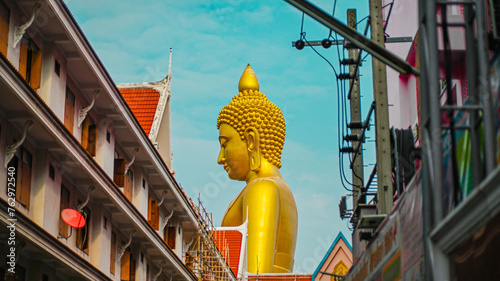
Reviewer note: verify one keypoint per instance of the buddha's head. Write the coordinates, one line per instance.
(251, 130)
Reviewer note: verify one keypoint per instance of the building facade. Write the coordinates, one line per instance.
(69, 139)
(444, 222)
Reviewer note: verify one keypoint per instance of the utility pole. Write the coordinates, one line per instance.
(357, 155)
(357, 165)
(383, 142)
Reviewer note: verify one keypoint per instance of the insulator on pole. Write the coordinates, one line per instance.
(355, 125)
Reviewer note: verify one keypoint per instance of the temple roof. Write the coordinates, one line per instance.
(143, 103)
(339, 252)
(229, 244)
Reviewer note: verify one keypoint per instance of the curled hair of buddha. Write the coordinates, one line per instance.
(251, 108)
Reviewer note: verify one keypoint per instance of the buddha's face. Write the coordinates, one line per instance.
(233, 153)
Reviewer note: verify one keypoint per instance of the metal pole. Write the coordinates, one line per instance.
(471, 62)
(383, 140)
(485, 94)
(431, 143)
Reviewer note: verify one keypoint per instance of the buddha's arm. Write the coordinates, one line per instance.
(262, 202)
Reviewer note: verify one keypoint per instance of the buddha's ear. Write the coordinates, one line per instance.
(253, 144)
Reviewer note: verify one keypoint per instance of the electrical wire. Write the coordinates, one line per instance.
(343, 116)
(338, 97)
(350, 228)
(302, 27)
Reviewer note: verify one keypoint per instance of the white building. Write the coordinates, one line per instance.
(69, 139)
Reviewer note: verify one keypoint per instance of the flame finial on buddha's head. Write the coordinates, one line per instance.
(248, 80)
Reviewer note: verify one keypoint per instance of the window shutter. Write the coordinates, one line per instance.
(157, 218)
(36, 69)
(113, 254)
(83, 234)
(119, 176)
(171, 236)
(23, 195)
(4, 28)
(92, 139)
(132, 270)
(150, 215)
(63, 227)
(125, 267)
(85, 133)
(23, 60)
(154, 214)
(69, 115)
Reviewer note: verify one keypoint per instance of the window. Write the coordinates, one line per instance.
(22, 164)
(170, 236)
(63, 227)
(127, 272)
(153, 213)
(108, 136)
(122, 179)
(57, 68)
(129, 185)
(112, 258)
(143, 183)
(52, 172)
(119, 171)
(105, 222)
(89, 135)
(125, 266)
(82, 234)
(69, 110)
(4, 28)
(30, 62)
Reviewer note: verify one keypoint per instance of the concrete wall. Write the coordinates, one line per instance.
(401, 90)
(46, 193)
(164, 137)
(105, 151)
(53, 87)
(401, 24)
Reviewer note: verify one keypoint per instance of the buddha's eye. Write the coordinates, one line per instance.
(223, 143)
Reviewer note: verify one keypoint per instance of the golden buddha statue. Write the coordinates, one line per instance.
(251, 136)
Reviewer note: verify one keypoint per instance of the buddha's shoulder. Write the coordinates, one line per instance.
(268, 183)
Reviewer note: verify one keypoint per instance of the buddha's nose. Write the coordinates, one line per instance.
(221, 159)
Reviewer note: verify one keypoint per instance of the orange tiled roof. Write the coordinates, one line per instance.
(229, 244)
(143, 103)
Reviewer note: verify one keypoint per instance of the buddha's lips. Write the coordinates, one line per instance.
(226, 167)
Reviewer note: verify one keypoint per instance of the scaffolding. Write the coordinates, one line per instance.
(203, 257)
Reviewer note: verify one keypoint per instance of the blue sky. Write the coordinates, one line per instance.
(212, 43)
